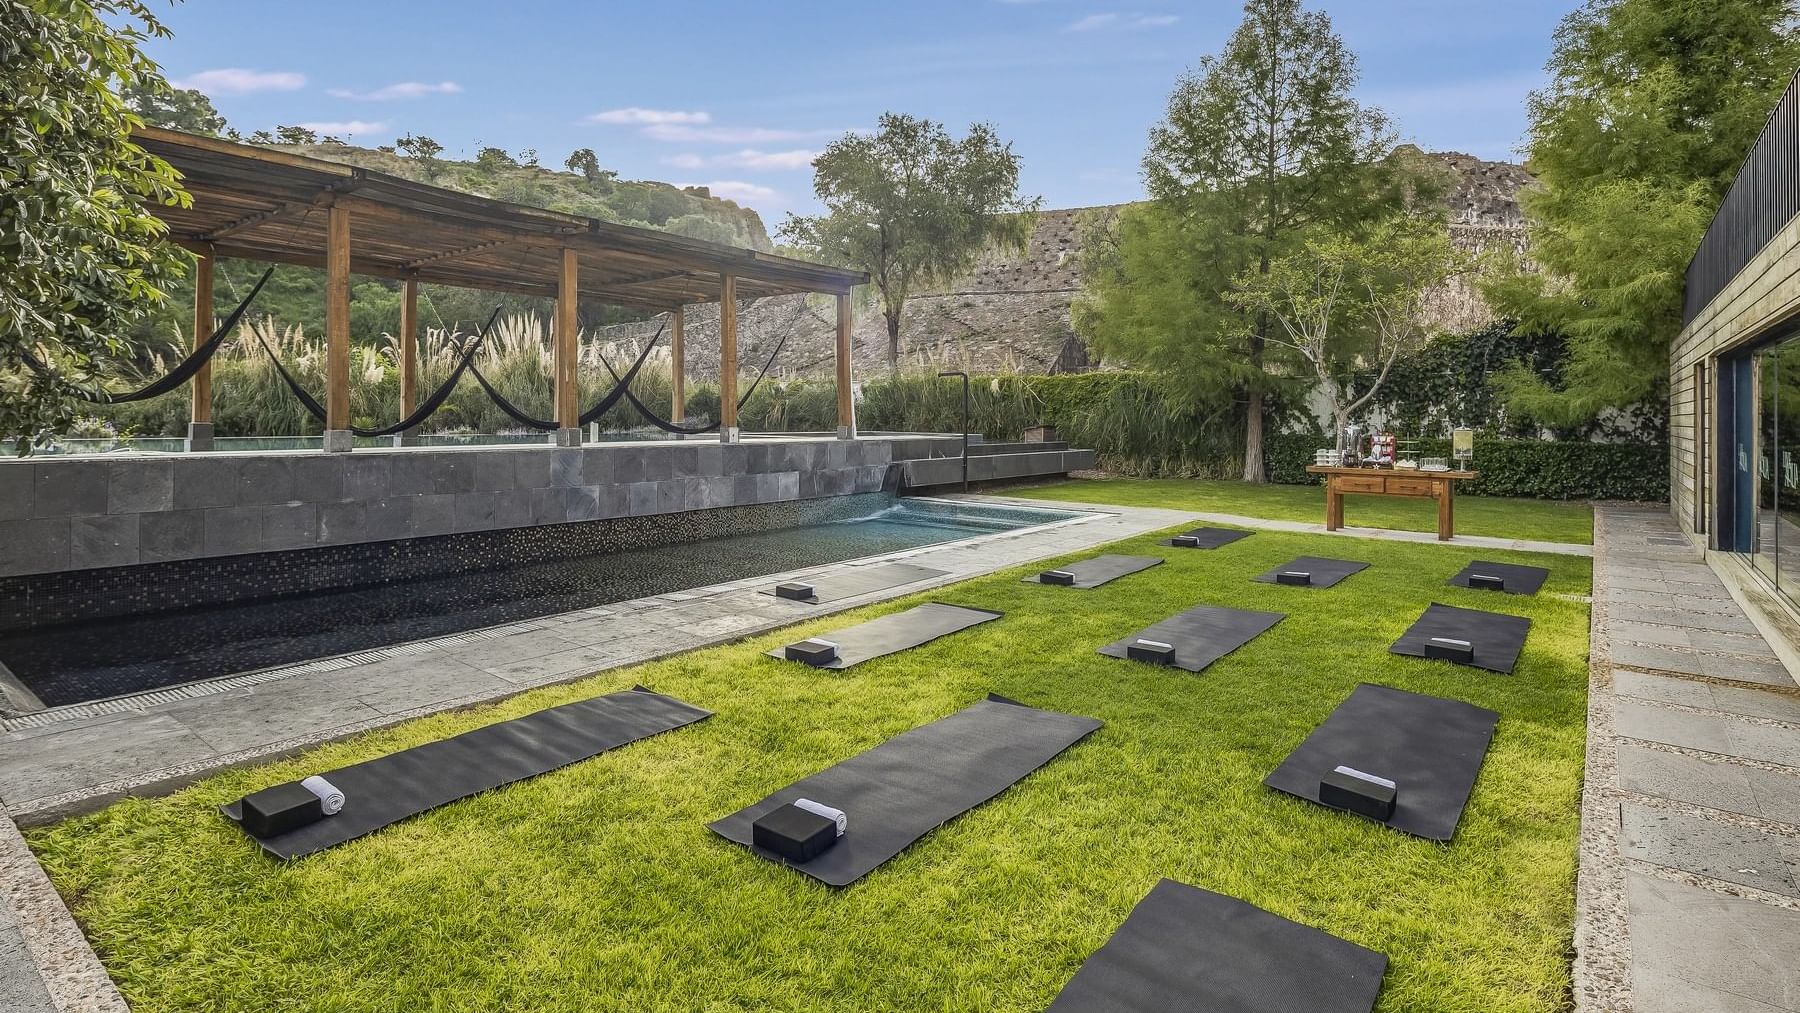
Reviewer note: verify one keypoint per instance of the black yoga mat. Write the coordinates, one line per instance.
(393, 787)
(1100, 569)
(917, 781)
(1519, 579)
(854, 580)
(1497, 639)
(1201, 635)
(918, 625)
(1430, 747)
(1325, 572)
(1212, 538)
(1184, 948)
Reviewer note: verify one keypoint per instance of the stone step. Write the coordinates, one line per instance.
(1004, 467)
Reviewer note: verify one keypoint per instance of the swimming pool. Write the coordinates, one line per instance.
(99, 658)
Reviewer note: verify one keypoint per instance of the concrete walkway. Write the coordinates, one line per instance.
(1689, 896)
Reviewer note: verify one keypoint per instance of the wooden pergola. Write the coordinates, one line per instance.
(274, 206)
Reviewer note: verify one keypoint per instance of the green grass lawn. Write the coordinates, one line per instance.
(1535, 519)
(598, 887)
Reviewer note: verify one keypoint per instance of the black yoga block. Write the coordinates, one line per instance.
(1487, 582)
(813, 652)
(1185, 542)
(794, 591)
(1444, 648)
(1151, 651)
(1365, 798)
(1062, 578)
(1299, 577)
(794, 833)
(280, 809)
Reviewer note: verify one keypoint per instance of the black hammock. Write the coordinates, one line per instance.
(174, 378)
(675, 427)
(424, 411)
(601, 407)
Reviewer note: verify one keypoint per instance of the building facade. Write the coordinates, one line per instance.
(1734, 386)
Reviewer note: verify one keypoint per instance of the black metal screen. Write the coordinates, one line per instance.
(1764, 198)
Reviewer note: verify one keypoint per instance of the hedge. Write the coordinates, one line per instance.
(1536, 469)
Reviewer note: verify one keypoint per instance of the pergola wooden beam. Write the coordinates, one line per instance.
(414, 265)
(728, 395)
(845, 407)
(568, 408)
(337, 330)
(677, 365)
(201, 414)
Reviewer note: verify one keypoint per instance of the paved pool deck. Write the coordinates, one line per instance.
(1689, 892)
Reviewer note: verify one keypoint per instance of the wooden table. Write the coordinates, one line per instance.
(1438, 485)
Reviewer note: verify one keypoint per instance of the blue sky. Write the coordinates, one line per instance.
(739, 96)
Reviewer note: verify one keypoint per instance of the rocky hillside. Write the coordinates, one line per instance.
(1012, 311)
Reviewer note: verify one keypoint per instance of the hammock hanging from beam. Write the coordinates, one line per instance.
(426, 408)
(174, 378)
(621, 388)
(675, 427)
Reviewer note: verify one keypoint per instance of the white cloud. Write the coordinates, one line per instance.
(737, 190)
(238, 81)
(748, 158)
(402, 90)
(685, 134)
(635, 115)
(1123, 22)
(346, 128)
(1093, 22)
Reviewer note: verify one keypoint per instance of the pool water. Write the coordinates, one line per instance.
(111, 657)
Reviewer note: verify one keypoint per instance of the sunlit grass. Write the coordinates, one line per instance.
(598, 887)
(1533, 519)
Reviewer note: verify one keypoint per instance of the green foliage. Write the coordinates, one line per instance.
(295, 135)
(1532, 469)
(1261, 143)
(1349, 303)
(185, 109)
(1651, 108)
(911, 205)
(423, 150)
(81, 256)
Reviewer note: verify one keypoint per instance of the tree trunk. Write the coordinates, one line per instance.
(1254, 471)
(893, 328)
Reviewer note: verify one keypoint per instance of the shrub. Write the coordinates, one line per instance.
(1536, 469)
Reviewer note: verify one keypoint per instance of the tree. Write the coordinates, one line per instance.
(81, 256)
(295, 135)
(1352, 304)
(1651, 108)
(186, 109)
(421, 149)
(913, 206)
(1261, 143)
(584, 161)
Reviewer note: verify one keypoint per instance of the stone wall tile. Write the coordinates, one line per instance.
(34, 546)
(137, 487)
(265, 480)
(68, 488)
(106, 540)
(172, 534)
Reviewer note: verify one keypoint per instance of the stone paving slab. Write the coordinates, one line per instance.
(1770, 795)
(1697, 950)
(1735, 854)
(1708, 695)
(1721, 622)
(1767, 671)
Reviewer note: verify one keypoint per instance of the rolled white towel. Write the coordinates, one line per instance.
(835, 815)
(330, 798)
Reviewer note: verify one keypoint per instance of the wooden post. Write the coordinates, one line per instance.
(568, 412)
(200, 428)
(728, 395)
(846, 409)
(409, 349)
(677, 367)
(337, 329)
